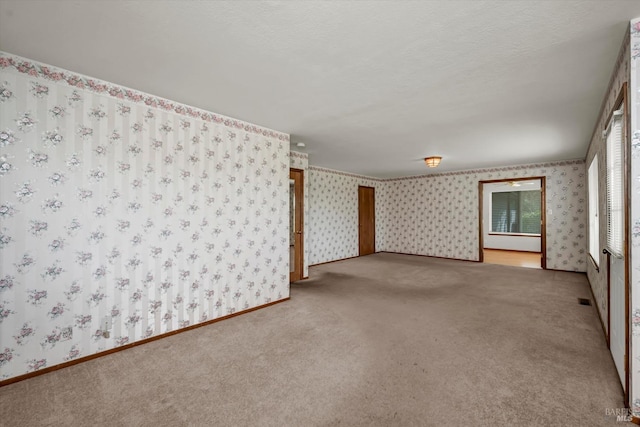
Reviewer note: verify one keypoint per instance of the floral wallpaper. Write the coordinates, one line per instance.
(437, 214)
(333, 214)
(598, 279)
(634, 247)
(301, 161)
(124, 215)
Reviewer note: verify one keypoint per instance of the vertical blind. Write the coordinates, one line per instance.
(516, 212)
(615, 213)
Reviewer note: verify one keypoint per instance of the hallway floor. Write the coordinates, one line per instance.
(513, 258)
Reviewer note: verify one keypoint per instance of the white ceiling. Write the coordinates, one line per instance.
(370, 87)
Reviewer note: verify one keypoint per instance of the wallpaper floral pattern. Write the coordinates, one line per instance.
(634, 247)
(437, 215)
(333, 214)
(120, 207)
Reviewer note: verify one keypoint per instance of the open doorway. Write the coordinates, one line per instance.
(512, 222)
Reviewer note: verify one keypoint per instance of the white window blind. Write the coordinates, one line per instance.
(594, 225)
(516, 212)
(615, 218)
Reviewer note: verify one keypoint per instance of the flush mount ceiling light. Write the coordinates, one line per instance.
(300, 144)
(433, 161)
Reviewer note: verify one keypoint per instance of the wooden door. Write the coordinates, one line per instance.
(366, 220)
(296, 252)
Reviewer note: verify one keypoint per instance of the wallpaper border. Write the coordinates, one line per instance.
(298, 155)
(101, 87)
(493, 169)
(341, 173)
(453, 173)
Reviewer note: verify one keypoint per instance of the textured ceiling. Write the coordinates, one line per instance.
(370, 87)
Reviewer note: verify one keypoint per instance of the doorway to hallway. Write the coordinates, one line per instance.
(512, 222)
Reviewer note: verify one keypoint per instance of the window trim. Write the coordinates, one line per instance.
(495, 233)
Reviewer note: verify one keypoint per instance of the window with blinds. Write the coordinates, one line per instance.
(594, 224)
(615, 213)
(516, 212)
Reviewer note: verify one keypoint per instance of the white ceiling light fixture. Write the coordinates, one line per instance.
(300, 144)
(433, 161)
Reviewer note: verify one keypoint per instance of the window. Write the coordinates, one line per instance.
(594, 225)
(615, 216)
(516, 212)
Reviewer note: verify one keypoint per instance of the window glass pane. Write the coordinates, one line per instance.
(516, 212)
(499, 209)
(594, 224)
(530, 212)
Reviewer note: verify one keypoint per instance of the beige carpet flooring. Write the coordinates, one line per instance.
(383, 340)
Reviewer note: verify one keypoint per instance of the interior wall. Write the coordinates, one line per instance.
(301, 161)
(634, 229)
(496, 241)
(122, 207)
(333, 226)
(598, 276)
(437, 214)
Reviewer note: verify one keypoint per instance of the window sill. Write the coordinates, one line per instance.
(515, 234)
(595, 264)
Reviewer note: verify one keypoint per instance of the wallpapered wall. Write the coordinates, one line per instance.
(116, 203)
(437, 214)
(333, 214)
(634, 247)
(598, 279)
(301, 161)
